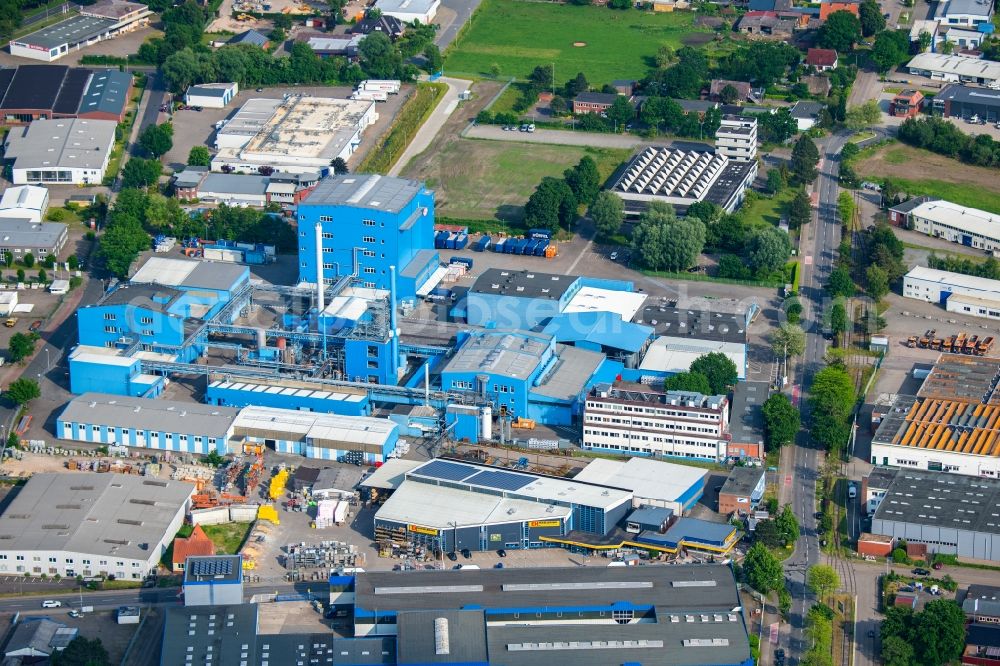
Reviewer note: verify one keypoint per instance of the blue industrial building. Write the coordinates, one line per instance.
(365, 224)
(527, 375)
(603, 332)
(104, 370)
(288, 394)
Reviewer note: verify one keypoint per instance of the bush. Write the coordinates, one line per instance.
(381, 157)
(899, 556)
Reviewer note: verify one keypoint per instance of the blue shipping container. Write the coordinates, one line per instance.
(482, 243)
(540, 233)
(499, 245)
(540, 248)
(465, 261)
(529, 247)
(450, 243)
(440, 238)
(510, 247)
(461, 241)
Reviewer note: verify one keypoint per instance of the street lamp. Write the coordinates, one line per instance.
(48, 365)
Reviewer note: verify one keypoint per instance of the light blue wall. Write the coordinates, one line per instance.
(85, 377)
(231, 397)
(100, 433)
(394, 239)
(365, 360)
(99, 325)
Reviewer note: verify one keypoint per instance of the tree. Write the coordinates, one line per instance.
(664, 56)
(729, 94)
(140, 173)
(832, 397)
(20, 275)
(22, 391)
(380, 58)
(621, 112)
(840, 31)
(338, 165)
(157, 140)
(768, 249)
(433, 62)
(719, 369)
(550, 204)
(863, 116)
(584, 180)
(872, 20)
(767, 534)
(891, 48)
(82, 652)
(840, 283)
(788, 339)
(28, 260)
(781, 421)
(805, 157)
(21, 346)
(199, 156)
(822, 579)
(799, 209)
(214, 459)
(762, 569)
(878, 282)
(73, 262)
(42, 275)
(607, 212)
(939, 632)
(558, 106)
(775, 181)
(283, 21)
(838, 317)
(897, 651)
(788, 525)
(924, 41)
(688, 381)
(663, 242)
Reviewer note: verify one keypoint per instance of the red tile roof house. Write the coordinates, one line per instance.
(822, 59)
(196, 544)
(592, 102)
(907, 103)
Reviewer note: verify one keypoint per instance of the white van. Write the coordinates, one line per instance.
(852, 491)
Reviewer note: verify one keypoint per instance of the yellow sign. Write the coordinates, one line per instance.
(422, 530)
(544, 523)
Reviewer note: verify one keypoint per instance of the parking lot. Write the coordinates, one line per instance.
(197, 128)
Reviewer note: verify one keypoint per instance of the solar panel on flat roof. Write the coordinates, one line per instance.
(212, 567)
(500, 480)
(446, 471)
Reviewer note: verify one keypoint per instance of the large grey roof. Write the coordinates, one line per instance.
(384, 193)
(106, 92)
(568, 377)
(217, 635)
(154, 297)
(63, 142)
(465, 631)
(147, 414)
(34, 634)
(982, 600)
(185, 273)
(523, 284)
(968, 95)
(746, 415)
(881, 478)
(506, 354)
(942, 500)
(957, 7)
(73, 30)
(234, 183)
(16, 232)
(102, 514)
(742, 481)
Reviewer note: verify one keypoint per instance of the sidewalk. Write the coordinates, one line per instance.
(445, 107)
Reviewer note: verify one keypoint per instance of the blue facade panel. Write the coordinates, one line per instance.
(91, 375)
(181, 442)
(105, 325)
(347, 404)
(369, 361)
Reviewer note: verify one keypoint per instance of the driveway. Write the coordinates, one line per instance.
(445, 107)
(560, 137)
(451, 17)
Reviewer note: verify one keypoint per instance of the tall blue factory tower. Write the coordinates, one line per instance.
(365, 224)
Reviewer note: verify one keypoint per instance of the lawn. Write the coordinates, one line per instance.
(602, 43)
(479, 179)
(768, 210)
(919, 171)
(227, 537)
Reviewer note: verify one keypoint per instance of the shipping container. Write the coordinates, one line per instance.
(482, 244)
(529, 247)
(465, 261)
(440, 240)
(390, 86)
(541, 247)
(461, 240)
(510, 247)
(540, 233)
(498, 246)
(450, 243)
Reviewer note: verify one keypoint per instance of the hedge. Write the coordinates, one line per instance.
(414, 113)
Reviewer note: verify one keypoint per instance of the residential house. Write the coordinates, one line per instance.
(389, 25)
(827, 8)
(906, 104)
(766, 25)
(593, 102)
(768, 5)
(744, 91)
(817, 84)
(982, 645)
(823, 60)
(197, 543)
(699, 106)
(624, 86)
(670, 5)
(806, 114)
(250, 37)
(326, 46)
(982, 604)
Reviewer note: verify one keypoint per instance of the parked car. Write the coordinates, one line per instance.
(35, 325)
(75, 613)
(531, 127)
(51, 603)
(920, 572)
(614, 256)
(501, 553)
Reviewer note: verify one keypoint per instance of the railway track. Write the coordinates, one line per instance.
(837, 559)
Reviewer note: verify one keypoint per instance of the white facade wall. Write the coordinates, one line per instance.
(737, 146)
(146, 439)
(926, 459)
(960, 298)
(980, 239)
(60, 175)
(976, 307)
(658, 430)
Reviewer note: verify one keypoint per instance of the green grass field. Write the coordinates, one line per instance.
(963, 195)
(478, 179)
(768, 210)
(518, 36)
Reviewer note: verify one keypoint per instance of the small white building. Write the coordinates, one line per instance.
(409, 11)
(26, 202)
(675, 354)
(944, 67)
(966, 13)
(211, 95)
(968, 226)
(64, 151)
(964, 294)
(8, 301)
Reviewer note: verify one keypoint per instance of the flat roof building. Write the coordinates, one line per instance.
(64, 151)
(19, 237)
(964, 294)
(958, 101)
(959, 224)
(211, 95)
(409, 11)
(742, 491)
(654, 483)
(102, 20)
(956, 68)
(25, 202)
(91, 524)
(947, 513)
(746, 419)
(675, 355)
(294, 134)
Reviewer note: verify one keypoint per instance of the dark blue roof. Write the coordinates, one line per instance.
(107, 92)
(761, 5)
(650, 515)
(249, 37)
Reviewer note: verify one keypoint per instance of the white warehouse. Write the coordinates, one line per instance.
(84, 524)
(968, 226)
(964, 294)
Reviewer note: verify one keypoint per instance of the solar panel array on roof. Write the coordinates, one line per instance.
(211, 567)
(68, 101)
(446, 471)
(500, 480)
(35, 87)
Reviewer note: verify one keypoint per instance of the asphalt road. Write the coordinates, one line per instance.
(154, 97)
(819, 249)
(463, 12)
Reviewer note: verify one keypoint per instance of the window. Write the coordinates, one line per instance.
(368, 223)
(327, 267)
(325, 218)
(368, 285)
(20, 558)
(368, 253)
(146, 320)
(369, 270)
(52, 559)
(110, 316)
(368, 239)
(112, 329)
